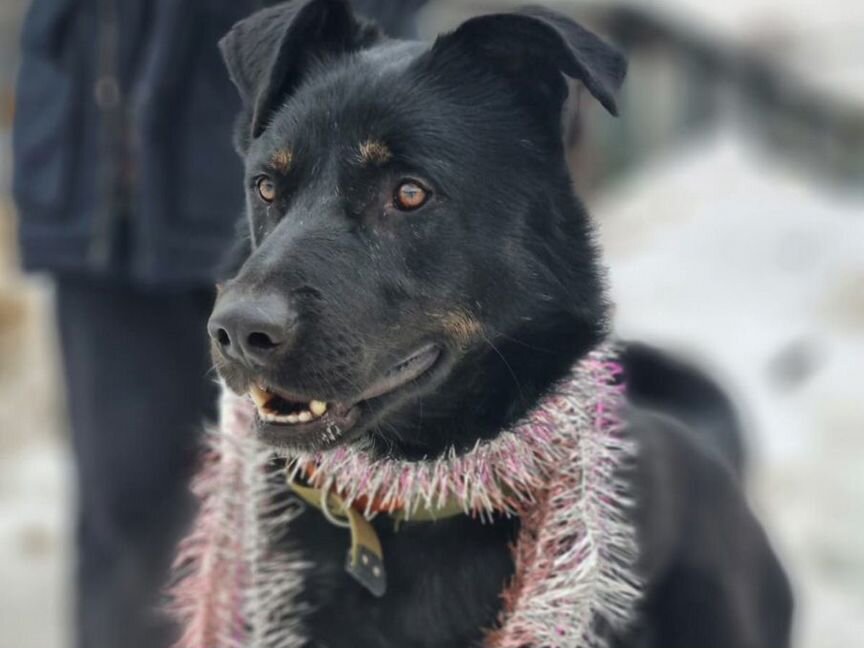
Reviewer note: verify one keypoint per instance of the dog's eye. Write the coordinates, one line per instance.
(266, 189)
(410, 195)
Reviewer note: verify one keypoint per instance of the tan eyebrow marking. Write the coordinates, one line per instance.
(281, 160)
(462, 327)
(375, 152)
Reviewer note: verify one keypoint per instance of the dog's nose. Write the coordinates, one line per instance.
(251, 329)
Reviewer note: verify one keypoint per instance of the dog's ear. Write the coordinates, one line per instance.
(534, 48)
(268, 53)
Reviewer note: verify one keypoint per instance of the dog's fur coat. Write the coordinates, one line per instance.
(498, 271)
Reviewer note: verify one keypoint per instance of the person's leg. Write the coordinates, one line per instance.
(138, 390)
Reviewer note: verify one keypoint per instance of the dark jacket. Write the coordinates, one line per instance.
(123, 157)
(122, 137)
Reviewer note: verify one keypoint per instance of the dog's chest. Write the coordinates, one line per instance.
(444, 581)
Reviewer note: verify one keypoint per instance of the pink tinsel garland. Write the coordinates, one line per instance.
(558, 469)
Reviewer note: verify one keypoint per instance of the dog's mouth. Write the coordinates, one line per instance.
(287, 419)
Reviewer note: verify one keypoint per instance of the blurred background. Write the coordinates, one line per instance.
(730, 201)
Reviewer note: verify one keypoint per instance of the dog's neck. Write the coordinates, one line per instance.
(557, 469)
(492, 387)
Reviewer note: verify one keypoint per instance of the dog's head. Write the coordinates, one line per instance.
(417, 268)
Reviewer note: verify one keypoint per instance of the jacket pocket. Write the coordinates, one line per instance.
(48, 104)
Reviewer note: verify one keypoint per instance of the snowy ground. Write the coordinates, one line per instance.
(723, 255)
(717, 253)
(34, 554)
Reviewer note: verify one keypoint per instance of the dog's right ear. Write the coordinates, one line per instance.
(268, 53)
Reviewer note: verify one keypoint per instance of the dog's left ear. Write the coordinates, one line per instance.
(534, 48)
(269, 53)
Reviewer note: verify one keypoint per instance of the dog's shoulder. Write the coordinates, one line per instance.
(700, 541)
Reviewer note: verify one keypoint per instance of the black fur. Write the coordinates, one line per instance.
(498, 270)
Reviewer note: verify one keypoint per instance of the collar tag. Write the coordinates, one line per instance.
(365, 558)
(367, 569)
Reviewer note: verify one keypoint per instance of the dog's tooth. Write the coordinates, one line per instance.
(259, 396)
(318, 407)
(304, 417)
(292, 418)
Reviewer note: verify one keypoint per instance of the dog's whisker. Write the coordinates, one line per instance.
(506, 364)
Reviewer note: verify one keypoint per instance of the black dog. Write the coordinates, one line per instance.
(419, 269)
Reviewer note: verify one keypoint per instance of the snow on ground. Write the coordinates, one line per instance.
(727, 257)
(34, 552)
(35, 471)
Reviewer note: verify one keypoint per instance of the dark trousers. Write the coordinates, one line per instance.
(139, 390)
